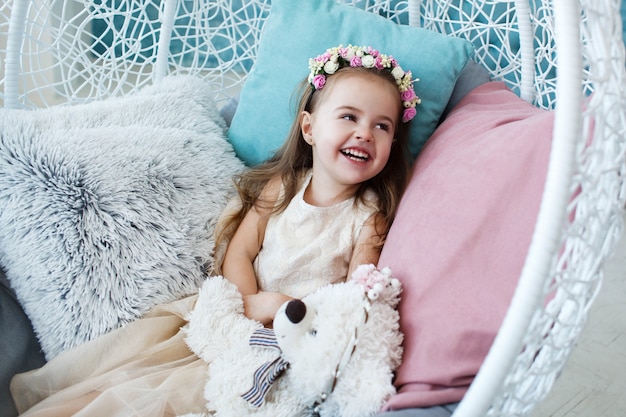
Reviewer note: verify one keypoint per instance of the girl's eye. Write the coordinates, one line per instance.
(383, 126)
(348, 117)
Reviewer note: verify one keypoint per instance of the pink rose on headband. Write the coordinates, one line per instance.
(408, 114)
(348, 53)
(408, 95)
(355, 61)
(319, 81)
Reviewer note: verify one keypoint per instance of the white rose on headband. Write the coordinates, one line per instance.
(330, 67)
(397, 72)
(368, 61)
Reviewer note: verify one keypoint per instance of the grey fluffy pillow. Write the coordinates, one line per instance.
(108, 208)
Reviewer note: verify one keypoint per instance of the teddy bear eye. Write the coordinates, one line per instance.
(313, 332)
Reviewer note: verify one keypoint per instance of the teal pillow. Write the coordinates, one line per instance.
(298, 30)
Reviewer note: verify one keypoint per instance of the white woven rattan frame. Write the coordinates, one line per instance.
(56, 51)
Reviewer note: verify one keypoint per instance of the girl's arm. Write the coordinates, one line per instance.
(241, 252)
(263, 305)
(369, 243)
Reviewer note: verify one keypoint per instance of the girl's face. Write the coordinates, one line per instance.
(351, 130)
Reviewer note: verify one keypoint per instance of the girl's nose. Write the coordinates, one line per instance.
(363, 133)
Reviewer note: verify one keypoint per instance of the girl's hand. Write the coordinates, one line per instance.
(263, 305)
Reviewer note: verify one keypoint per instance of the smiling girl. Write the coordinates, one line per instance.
(324, 203)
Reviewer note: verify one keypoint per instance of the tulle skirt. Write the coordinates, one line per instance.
(142, 369)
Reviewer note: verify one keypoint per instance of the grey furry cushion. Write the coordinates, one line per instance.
(108, 208)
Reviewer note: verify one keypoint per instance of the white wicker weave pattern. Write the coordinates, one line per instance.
(64, 51)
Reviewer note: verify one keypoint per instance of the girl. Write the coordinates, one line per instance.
(316, 210)
(324, 203)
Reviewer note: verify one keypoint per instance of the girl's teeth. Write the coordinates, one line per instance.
(357, 155)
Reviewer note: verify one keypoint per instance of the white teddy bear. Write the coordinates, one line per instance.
(332, 353)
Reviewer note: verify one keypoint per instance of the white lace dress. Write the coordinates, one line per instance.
(306, 247)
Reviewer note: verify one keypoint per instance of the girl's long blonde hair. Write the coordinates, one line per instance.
(295, 156)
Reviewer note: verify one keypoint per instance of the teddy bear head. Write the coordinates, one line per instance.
(342, 343)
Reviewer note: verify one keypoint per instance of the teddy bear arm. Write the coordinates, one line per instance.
(217, 319)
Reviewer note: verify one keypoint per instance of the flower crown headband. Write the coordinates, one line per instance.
(367, 57)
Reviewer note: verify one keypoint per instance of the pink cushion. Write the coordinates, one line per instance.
(461, 236)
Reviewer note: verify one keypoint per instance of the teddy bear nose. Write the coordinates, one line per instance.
(295, 311)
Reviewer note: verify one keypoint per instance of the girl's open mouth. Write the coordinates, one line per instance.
(356, 155)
